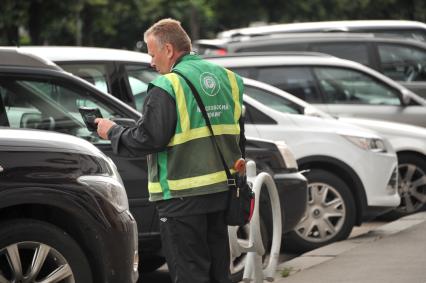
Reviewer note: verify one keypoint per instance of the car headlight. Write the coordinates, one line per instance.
(372, 144)
(289, 159)
(110, 185)
(110, 188)
(114, 171)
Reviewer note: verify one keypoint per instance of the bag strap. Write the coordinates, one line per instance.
(231, 181)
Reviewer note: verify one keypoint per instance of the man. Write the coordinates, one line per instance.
(186, 177)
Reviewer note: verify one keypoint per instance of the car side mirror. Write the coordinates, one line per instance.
(405, 98)
(125, 122)
(30, 120)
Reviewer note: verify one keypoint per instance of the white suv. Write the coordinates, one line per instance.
(351, 172)
(408, 141)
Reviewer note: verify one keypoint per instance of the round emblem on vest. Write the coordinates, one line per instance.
(209, 83)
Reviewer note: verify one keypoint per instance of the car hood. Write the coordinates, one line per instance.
(33, 140)
(391, 130)
(333, 125)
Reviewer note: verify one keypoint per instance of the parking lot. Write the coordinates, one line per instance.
(337, 120)
(162, 275)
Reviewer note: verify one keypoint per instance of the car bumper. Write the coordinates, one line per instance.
(120, 244)
(293, 192)
(373, 211)
(380, 180)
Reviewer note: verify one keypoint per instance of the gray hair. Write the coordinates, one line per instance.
(170, 31)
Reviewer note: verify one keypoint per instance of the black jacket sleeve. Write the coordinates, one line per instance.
(242, 143)
(152, 132)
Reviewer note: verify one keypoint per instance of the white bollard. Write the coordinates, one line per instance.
(253, 270)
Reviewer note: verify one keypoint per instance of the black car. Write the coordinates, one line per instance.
(64, 213)
(401, 59)
(39, 95)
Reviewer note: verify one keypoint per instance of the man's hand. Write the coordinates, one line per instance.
(103, 127)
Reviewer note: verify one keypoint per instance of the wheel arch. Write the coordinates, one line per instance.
(410, 152)
(343, 171)
(61, 213)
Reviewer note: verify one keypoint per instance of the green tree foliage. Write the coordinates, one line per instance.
(12, 16)
(120, 24)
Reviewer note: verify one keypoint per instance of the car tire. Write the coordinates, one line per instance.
(37, 249)
(411, 188)
(330, 214)
(237, 264)
(151, 264)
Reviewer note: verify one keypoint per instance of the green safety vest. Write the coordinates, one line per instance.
(191, 165)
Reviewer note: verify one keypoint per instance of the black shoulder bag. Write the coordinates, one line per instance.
(241, 197)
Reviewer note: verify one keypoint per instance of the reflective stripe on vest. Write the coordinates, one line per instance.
(235, 95)
(180, 102)
(194, 182)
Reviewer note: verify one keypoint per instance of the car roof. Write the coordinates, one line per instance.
(78, 53)
(16, 57)
(268, 53)
(288, 38)
(321, 26)
(279, 58)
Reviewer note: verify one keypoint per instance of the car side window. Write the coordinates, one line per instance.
(402, 63)
(49, 105)
(274, 47)
(353, 51)
(298, 81)
(139, 76)
(95, 74)
(254, 116)
(245, 72)
(417, 34)
(344, 86)
(274, 101)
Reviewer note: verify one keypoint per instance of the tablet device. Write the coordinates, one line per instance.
(89, 115)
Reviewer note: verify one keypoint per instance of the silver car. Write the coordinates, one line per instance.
(336, 86)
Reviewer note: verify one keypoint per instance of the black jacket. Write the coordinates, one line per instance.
(153, 131)
(152, 134)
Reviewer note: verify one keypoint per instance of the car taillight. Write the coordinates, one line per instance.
(220, 52)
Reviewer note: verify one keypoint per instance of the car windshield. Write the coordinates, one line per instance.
(139, 76)
(280, 103)
(47, 105)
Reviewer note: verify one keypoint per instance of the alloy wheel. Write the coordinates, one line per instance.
(325, 214)
(411, 188)
(33, 262)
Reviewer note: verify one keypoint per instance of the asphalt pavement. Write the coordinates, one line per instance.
(392, 253)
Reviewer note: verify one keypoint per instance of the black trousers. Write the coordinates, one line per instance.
(196, 248)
